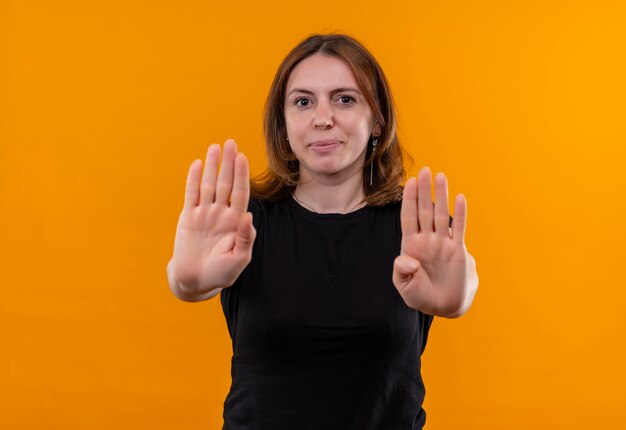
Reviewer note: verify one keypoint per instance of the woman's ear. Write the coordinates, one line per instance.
(376, 131)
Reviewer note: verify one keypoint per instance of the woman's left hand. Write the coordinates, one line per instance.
(434, 272)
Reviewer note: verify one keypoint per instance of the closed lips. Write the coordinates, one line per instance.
(322, 143)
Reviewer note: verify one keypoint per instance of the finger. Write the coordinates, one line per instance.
(403, 269)
(406, 265)
(192, 187)
(442, 212)
(241, 184)
(408, 211)
(225, 177)
(424, 200)
(209, 175)
(245, 237)
(460, 219)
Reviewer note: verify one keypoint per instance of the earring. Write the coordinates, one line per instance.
(374, 143)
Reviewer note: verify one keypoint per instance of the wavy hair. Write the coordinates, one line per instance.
(280, 178)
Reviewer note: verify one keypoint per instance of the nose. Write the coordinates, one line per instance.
(323, 116)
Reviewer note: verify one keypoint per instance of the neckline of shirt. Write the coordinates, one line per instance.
(307, 212)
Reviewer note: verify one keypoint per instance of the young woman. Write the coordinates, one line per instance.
(331, 274)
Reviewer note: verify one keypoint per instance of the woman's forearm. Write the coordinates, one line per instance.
(185, 294)
(472, 287)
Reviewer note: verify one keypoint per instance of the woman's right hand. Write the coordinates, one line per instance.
(215, 234)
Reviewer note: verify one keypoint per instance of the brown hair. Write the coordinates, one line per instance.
(280, 178)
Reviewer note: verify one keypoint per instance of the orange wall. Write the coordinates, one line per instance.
(104, 104)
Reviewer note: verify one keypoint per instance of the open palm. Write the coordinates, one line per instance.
(431, 271)
(214, 235)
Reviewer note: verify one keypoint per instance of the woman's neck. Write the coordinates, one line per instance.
(324, 195)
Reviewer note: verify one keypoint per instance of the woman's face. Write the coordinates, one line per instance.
(328, 120)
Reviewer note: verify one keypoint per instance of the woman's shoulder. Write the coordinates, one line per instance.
(263, 209)
(258, 205)
(392, 207)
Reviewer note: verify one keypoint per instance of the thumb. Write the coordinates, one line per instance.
(245, 235)
(404, 268)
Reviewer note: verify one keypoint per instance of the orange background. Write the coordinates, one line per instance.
(104, 104)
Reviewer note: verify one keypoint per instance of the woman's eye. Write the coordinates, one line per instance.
(301, 102)
(346, 99)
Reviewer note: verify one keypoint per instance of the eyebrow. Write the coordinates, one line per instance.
(335, 91)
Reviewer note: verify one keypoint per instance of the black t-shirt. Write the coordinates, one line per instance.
(321, 337)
